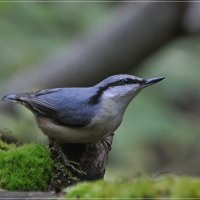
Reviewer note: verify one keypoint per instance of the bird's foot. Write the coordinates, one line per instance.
(70, 164)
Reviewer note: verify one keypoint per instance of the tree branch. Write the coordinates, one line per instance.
(132, 33)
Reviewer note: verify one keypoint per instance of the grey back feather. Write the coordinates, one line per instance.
(67, 106)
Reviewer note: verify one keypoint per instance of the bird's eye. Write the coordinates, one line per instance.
(130, 81)
(127, 81)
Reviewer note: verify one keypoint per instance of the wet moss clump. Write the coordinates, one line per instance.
(25, 168)
(161, 187)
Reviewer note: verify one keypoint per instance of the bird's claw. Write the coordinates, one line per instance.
(70, 164)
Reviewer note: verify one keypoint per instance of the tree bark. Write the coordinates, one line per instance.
(88, 160)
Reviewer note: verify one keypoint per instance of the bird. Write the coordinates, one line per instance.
(83, 114)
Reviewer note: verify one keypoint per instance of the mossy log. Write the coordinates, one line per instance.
(161, 187)
(35, 167)
(88, 162)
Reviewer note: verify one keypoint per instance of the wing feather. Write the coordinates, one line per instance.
(59, 105)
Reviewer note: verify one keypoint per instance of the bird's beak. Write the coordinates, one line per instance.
(151, 81)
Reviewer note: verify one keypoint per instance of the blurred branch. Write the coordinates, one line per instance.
(191, 23)
(133, 32)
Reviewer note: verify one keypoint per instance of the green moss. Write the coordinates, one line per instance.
(187, 187)
(4, 146)
(166, 186)
(24, 168)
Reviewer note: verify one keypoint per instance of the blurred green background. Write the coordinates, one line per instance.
(160, 130)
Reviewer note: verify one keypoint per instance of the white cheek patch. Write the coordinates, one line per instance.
(118, 91)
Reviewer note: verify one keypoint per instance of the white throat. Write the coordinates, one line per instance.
(120, 94)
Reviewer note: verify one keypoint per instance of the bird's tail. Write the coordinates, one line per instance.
(11, 97)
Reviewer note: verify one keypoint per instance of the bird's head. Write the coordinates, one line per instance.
(123, 87)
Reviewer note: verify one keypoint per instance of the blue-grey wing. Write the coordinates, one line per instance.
(68, 106)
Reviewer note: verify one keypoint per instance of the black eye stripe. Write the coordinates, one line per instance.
(131, 81)
(126, 81)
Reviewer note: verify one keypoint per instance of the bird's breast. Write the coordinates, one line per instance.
(105, 122)
(109, 117)
(68, 134)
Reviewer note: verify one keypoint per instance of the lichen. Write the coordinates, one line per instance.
(160, 187)
(24, 168)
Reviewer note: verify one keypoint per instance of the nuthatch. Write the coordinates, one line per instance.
(83, 115)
